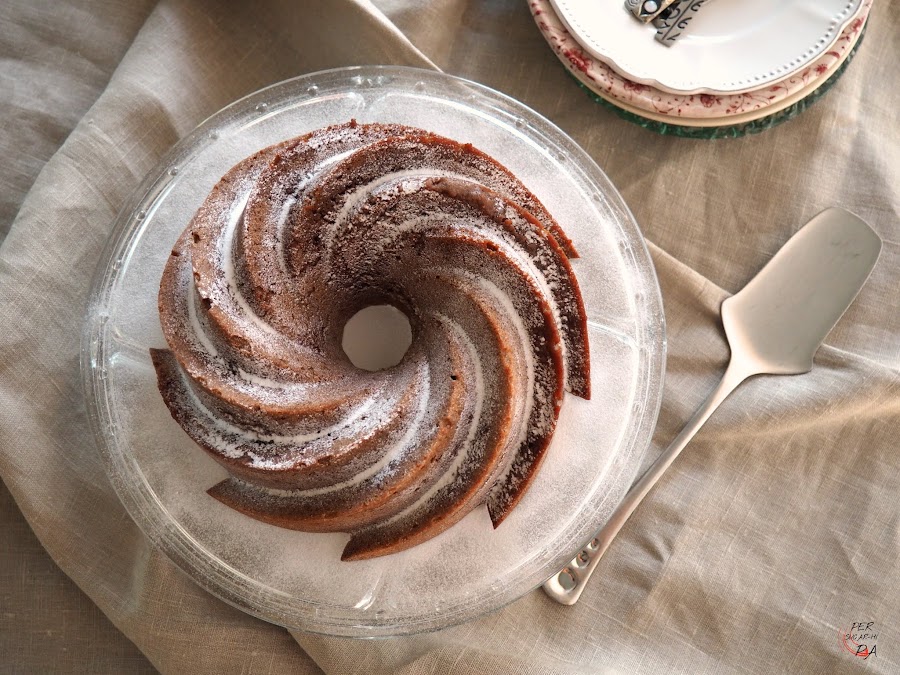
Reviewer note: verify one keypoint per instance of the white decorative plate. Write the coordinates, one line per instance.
(691, 109)
(731, 46)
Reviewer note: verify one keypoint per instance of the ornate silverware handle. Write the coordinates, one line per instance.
(671, 17)
(672, 23)
(647, 10)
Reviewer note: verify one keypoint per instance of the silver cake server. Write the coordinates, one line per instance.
(774, 326)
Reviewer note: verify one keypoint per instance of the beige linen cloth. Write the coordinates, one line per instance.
(779, 526)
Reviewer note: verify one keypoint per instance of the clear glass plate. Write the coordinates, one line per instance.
(297, 579)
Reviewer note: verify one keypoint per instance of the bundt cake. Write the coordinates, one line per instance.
(295, 240)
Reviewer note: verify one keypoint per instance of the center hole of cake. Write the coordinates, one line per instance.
(377, 337)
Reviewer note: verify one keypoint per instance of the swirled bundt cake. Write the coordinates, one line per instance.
(295, 240)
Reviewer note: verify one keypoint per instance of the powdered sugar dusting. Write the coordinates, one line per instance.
(197, 329)
(226, 253)
(405, 444)
(279, 241)
(406, 181)
(513, 316)
(478, 406)
(357, 215)
(241, 435)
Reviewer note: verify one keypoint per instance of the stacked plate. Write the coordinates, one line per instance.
(737, 67)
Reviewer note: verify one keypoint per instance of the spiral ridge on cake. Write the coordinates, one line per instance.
(295, 240)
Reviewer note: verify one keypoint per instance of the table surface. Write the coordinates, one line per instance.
(775, 532)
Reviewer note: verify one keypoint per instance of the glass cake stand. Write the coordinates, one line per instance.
(296, 579)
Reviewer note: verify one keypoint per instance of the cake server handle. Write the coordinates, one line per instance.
(566, 585)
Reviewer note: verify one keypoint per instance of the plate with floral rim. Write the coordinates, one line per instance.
(604, 81)
(731, 47)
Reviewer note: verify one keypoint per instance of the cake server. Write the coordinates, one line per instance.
(774, 326)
